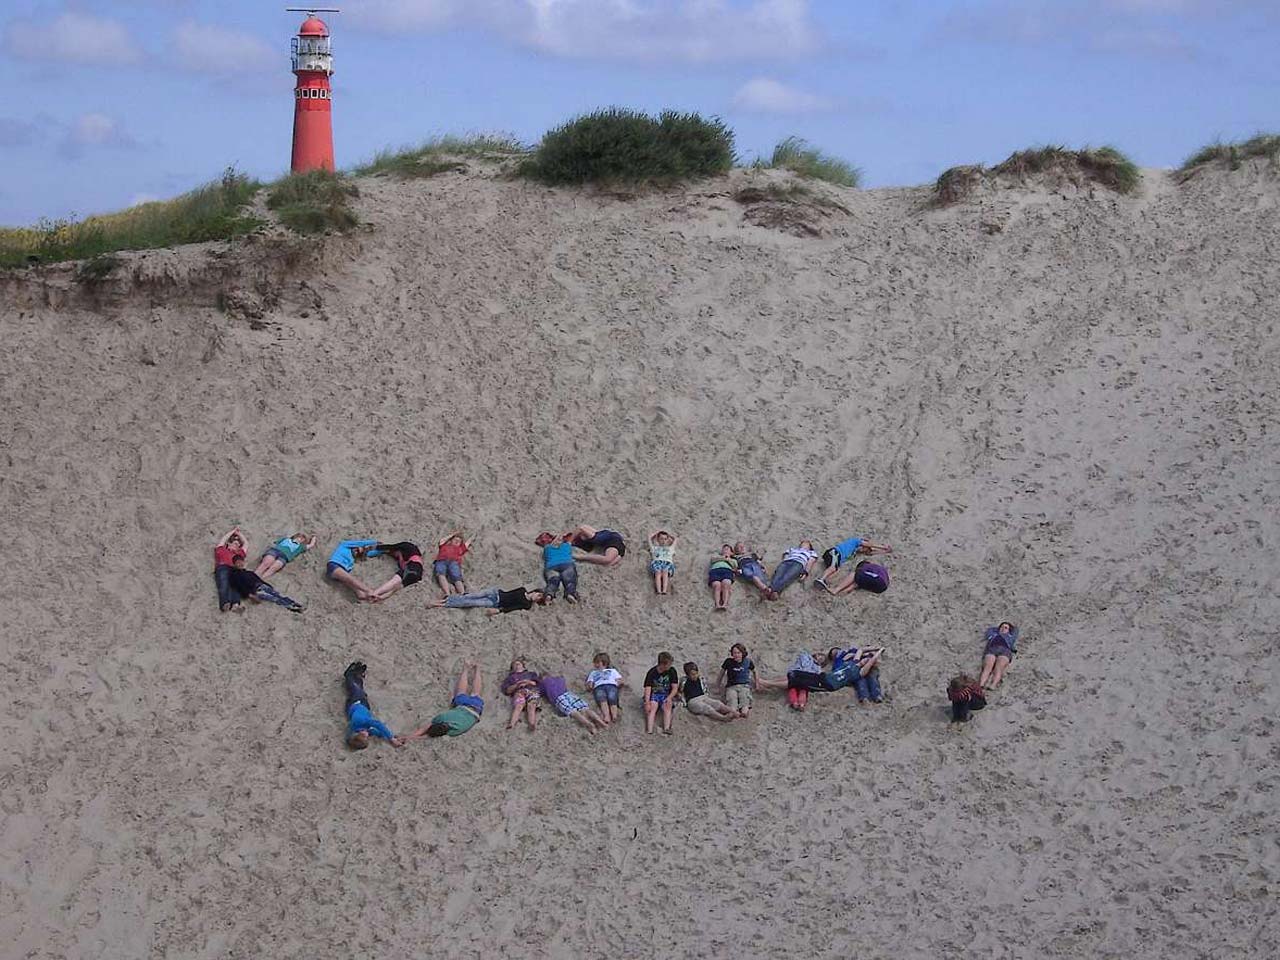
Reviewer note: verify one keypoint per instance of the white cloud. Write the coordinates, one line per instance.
(203, 48)
(766, 95)
(95, 131)
(72, 37)
(698, 31)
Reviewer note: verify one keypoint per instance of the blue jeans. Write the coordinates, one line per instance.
(481, 598)
(451, 570)
(787, 573)
(868, 687)
(566, 573)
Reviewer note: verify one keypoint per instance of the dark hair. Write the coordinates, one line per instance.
(603, 658)
(960, 682)
(665, 657)
(738, 646)
(543, 597)
(690, 667)
(1005, 623)
(437, 729)
(831, 654)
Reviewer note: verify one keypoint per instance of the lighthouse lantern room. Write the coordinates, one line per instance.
(313, 97)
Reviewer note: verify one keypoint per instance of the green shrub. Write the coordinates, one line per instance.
(1105, 165)
(313, 202)
(210, 212)
(1264, 145)
(618, 145)
(799, 157)
(434, 156)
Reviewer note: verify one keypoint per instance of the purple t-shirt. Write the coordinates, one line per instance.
(553, 687)
(514, 678)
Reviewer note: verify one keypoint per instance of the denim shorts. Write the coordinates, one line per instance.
(275, 554)
(750, 569)
(606, 693)
(720, 573)
(451, 570)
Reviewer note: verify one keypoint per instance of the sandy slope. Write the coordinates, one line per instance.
(1060, 408)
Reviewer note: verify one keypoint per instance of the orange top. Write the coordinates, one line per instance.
(313, 27)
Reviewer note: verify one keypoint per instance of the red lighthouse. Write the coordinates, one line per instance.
(313, 99)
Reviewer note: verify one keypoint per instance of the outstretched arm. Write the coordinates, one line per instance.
(868, 547)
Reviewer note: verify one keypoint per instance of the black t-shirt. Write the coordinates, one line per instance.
(401, 551)
(517, 599)
(739, 673)
(693, 688)
(662, 682)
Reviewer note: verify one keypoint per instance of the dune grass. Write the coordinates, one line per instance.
(314, 202)
(801, 158)
(1106, 166)
(214, 211)
(617, 145)
(439, 155)
(1264, 145)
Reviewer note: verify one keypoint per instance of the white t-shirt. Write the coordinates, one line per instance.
(598, 678)
(800, 555)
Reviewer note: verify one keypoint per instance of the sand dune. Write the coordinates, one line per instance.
(1060, 407)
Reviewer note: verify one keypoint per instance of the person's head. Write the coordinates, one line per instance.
(545, 538)
(1005, 628)
(807, 544)
(457, 540)
(832, 654)
(821, 658)
(518, 665)
(437, 729)
(358, 740)
(739, 547)
(538, 596)
(235, 540)
(601, 661)
(691, 670)
(961, 681)
(665, 660)
(738, 652)
(726, 550)
(662, 538)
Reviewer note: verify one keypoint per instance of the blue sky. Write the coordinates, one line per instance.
(114, 102)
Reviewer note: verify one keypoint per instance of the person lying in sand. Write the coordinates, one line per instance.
(408, 560)
(604, 683)
(236, 584)
(521, 685)
(803, 676)
(282, 552)
(661, 687)
(447, 566)
(796, 564)
(965, 694)
(696, 699)
(558, 566)
(602, 547)
(497, 601)
(837, 557)
(361, 723)
(662, 550)
(568, 704)
(751, 566)
(343, 560)
(465, 709)
(869, 576)
(997, 655)
(720, 576)
(857, 668)
(738, 680)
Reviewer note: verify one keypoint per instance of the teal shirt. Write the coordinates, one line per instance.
(555, 554)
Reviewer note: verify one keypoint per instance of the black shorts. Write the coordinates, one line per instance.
(604, 539)
(411, 573)
(831, 558)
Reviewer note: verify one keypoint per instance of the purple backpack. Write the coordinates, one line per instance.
(871, 576)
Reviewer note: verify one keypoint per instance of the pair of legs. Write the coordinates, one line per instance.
(784, 575)
(353, 684)
(463, 601)
(362, 590)
(721, 590)
(610, 558)
(448, 574)
(993, 668)
(589, 719)
(662, 578)
(526, 701)
(565, 573)
(846, 583)
(606, 697)
(651, 707)
(270, 564)
(754, 573)
(710, 707)
(236, 584)
(407, 576)
(867, 686)
(468, 682)
(740, 698)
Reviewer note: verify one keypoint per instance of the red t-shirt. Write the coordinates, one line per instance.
(225, 555)
(452, 551)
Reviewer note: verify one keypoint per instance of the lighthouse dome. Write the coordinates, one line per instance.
(313, 27)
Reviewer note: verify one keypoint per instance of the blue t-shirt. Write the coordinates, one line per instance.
(360, 718)
(343, 556)
(739, 673)
(847, 548)
(554, 554)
